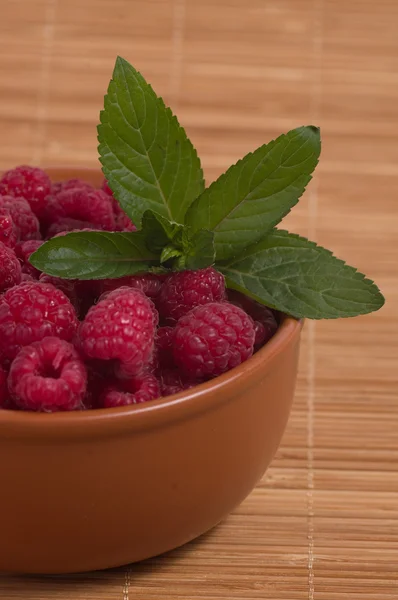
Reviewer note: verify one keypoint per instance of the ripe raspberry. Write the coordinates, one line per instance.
(123, 222)
(27, 224)
(131, 391)
(212, 339)
(93, 207)
(8, 231)
(30, 183)
(67, 286)
(172, 382)
(184, 290)
(10, 268)
(67, 225)
(31, 311)
(265, 323)
(148, 283)
(70, 184)
(23, 250)
(48, 376)
(120, 327)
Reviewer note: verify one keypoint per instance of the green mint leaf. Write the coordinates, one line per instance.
(146, 156)
(159, 231)
(169, 252)
(294, 275)
(94, 255)
(257, 192)
(199, 251)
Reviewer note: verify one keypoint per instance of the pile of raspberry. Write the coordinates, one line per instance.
(79, 345)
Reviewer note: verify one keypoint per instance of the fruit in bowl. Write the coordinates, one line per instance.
(149, 334)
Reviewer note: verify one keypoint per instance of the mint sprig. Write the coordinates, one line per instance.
(155, 174)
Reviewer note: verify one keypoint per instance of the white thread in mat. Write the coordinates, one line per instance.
(45, 75)
(316, 96)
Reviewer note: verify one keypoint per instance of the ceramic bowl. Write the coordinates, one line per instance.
(90, 490)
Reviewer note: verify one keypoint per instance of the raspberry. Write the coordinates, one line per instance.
(172, 382)
(23, 250)
(265, 323)
(70, 184)
(30, 183)
(27, 277)
(123, 222)
(67, 286)
(212, 339)
(184, 290)
(131, 391)
(10, 268)
(149, 284)
(120, 327)
(93, 207)
(31, 311)
(67, 225)
(8, 231)
(26, 223)
(48, 376)
(4, 395)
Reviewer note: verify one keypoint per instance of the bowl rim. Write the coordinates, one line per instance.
(138, 417)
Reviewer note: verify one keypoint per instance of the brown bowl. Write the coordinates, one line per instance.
(90, 490)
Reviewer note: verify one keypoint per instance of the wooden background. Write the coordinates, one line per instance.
(323, 524)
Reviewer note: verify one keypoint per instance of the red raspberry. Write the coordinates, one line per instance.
(184, 290)
(27, 224)
(31, 311)
(172, 382)
(10, 268)
(8, 231)
(48, 376)
(131, 391)
(70, 184)
(120, 327)
(265, 323)
(91, 206)
(67, 286)
(30, 183)
(4, 395)
(26, 277)
(23, 250)
(149, 284)
(212, 339)
(123, 222)
(67, 225)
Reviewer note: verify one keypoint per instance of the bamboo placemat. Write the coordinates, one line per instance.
(323, 524)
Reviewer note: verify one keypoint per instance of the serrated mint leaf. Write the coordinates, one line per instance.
(159, 231)
(94, 255)
(294, 275)
(257, 192)
(198, 249)
(169, 252)
(146, 156)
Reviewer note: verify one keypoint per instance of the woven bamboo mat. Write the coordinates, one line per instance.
(323, 524)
